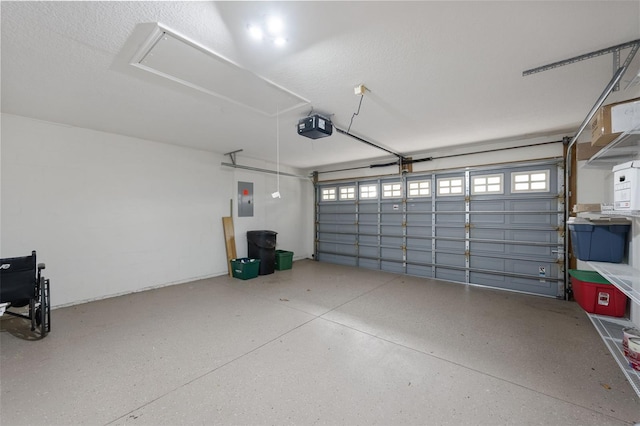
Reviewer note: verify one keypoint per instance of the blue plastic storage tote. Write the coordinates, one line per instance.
(599, 242)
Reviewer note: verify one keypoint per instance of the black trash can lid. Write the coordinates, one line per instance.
(262, 232)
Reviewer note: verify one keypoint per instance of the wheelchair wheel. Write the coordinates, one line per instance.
(43, 312)
(32, 313)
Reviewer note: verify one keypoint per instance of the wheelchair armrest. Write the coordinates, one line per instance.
(41, 266)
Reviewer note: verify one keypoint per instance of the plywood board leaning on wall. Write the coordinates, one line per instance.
(230, 241)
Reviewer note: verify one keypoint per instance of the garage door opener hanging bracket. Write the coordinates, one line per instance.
(615, 50)
(232, 155)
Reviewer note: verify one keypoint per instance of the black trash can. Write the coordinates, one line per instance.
(262, 245)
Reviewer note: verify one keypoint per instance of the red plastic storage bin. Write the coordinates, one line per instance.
(596, 295)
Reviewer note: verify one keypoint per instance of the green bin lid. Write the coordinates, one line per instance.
(588, 276)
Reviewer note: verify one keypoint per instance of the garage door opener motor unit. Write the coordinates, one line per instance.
(315, 127)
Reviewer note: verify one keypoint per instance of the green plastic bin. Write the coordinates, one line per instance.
(284, 260)
(245, 268)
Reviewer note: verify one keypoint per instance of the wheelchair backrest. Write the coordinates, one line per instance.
(18, 278)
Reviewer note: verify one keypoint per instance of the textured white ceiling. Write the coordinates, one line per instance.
(440, 73)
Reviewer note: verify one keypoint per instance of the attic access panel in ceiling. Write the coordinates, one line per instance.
(181, 60)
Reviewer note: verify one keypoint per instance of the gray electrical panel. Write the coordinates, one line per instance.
(245, 199)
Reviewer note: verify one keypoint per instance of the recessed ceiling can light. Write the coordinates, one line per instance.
(274, 25)
(255, 32)
(279, 41)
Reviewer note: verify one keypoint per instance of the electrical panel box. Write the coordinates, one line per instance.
(626, 186)
(245, 199)
(315, 127)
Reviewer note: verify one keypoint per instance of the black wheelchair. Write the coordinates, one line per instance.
(22, 284)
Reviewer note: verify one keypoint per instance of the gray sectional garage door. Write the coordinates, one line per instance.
(498, 227)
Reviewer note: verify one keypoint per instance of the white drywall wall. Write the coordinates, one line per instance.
(291, 216)
(111, 214)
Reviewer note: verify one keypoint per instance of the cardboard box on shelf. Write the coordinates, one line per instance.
(612, 120)
(581, 208)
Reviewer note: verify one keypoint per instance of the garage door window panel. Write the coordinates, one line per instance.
(329, 194)
(419, 188)
(369, 192)
(532, 181)
(392, 190)
(347, 193)
(450, 186)
(487, 184)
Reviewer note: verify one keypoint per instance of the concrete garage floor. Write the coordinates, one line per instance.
(318, 344)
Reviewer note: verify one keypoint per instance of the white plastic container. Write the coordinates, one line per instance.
(626, 186)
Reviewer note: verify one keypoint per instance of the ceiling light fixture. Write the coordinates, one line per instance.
(270, 29)
(275, 26)
(255, 32)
